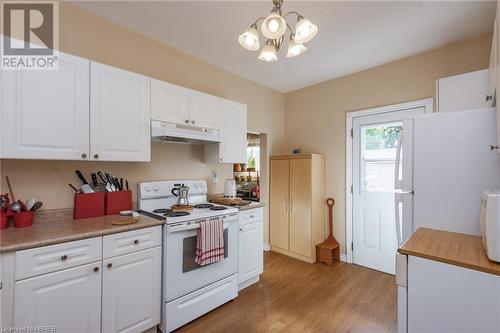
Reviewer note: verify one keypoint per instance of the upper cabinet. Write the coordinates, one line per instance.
(233, 131)
(45, 114)
(119, 115)
(169, 102)
(494, 68)
(204, 110)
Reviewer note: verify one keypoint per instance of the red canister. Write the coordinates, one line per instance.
(4, 220)
(24, 219)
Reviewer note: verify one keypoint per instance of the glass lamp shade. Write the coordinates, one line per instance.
(250, 39)
(295, 48)
(304, 31)
(273, 26)
(268, 53)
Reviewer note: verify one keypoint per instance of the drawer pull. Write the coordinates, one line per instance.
(136, 242)
(110, 265)
(252, 216)
(64, 257)
(96, 269)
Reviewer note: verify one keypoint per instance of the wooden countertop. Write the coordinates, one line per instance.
(252, 205)
(65, 230)
(451, 248)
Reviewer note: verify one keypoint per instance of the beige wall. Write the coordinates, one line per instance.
(90, 36)
(315, 116)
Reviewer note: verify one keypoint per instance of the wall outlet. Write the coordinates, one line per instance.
(214, 176)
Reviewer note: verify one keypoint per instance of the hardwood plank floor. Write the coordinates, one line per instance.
(293, 296)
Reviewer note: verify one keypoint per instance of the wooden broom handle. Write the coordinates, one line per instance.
(330, 202)
(10, 188)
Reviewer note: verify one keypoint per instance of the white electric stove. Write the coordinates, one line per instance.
(190, 290)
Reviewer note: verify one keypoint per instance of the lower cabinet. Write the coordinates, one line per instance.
(68, 300)
(131, 291)
(251, 243)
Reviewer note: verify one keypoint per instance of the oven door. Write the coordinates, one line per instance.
(182, 274)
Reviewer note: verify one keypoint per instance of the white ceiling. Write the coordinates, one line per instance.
(352, 35)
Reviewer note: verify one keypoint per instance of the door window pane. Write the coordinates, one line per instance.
(378, 159)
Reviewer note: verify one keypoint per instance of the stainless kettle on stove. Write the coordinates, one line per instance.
(181, 192)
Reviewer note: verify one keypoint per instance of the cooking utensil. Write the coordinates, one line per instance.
(94, 180)
(86, 188)
(121, 184)
(181, 192)
(80, 175)
(126, 183)
(230, 188)
(116, 183)
(15, 206)
(104, 180)
(36, 206)
(10, 189)
(29, 203)
(23, 205)
(110, 181)
(74, 188)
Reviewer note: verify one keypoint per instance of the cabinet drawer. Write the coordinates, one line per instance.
(53, 258)
(251, 215)
(131, 241)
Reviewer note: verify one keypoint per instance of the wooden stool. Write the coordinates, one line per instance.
(328, 251)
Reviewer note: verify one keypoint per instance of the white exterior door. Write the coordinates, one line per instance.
(376, 139)
(204, 110)
(45, 114)
(233, 120)
(69, 300)
(251, 251)
(119, 115)
(131, 296)
(169, 102)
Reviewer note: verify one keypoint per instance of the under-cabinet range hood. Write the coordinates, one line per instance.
(170, 132)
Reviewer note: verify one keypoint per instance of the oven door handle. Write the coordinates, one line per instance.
(186, 227)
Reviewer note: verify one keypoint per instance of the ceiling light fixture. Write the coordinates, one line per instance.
(274, 28)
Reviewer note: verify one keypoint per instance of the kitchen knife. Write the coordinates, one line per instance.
(126, 183)
(110, 182)
(74, 188)
(80, 175)
(94, 179)
(121, 184)
(117, 184)
(108, 186)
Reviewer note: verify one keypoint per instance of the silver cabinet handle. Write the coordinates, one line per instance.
(84, 155)
(64, 257)
(494, 147)
(489, 98)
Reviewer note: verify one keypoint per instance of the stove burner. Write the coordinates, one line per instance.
(175, 214)
(218, 208)
(162, 210)
(205, 205)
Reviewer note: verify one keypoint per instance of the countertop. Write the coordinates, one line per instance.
(65, 230)
(451, 248)
(252, 205)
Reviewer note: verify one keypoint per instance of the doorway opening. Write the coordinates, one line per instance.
(375, 142)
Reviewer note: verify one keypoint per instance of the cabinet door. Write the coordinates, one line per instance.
(45, 114)
(70, 300)
(279, 203)
(233, 120)
(492, 70)
(300, 206)
(119, 115)
(169, 102)
(251, 241)
(131, 292)
(204, 110)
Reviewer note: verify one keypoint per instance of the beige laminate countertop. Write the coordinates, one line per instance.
(65, 230)
(252, 205)
(451, 248)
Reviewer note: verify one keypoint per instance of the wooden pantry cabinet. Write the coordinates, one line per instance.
(297, 193)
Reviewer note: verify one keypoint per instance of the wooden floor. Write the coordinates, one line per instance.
(293, 296)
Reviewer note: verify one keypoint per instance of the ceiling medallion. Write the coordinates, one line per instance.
(274, 28)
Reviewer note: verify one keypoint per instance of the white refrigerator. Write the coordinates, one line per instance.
(451, 164)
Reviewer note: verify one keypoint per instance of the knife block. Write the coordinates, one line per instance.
(118, 201)
(88, 205)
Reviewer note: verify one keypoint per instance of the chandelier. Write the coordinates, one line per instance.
(274, 28)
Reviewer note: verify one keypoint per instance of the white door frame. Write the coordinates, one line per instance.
(427, 103)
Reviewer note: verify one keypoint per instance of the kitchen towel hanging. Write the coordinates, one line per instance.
(210, 242)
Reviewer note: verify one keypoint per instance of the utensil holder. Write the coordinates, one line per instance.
(89, 205)
(23, 219)
(118, 201)
(4, 220)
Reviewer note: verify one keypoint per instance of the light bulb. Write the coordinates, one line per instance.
(250, 39)
(273, 25)
(268, 53)
(304, 30)
(294, 48)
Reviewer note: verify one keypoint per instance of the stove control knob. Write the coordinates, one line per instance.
(196, 185)
(156, 187)
(147, 188)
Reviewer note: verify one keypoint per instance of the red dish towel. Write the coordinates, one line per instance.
(210, 242)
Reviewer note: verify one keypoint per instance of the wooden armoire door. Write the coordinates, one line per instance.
(300, 206)
(279, 233)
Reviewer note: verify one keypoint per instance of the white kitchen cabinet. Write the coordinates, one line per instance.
(169, 102)
(119, 115)
(233, 131)
(204, 110)
(45, 114)
(462, 92)
(131, 296)
(69, 300)
(251, 242)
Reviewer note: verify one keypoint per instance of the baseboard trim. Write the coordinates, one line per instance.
(343, 257)
(267, 247)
